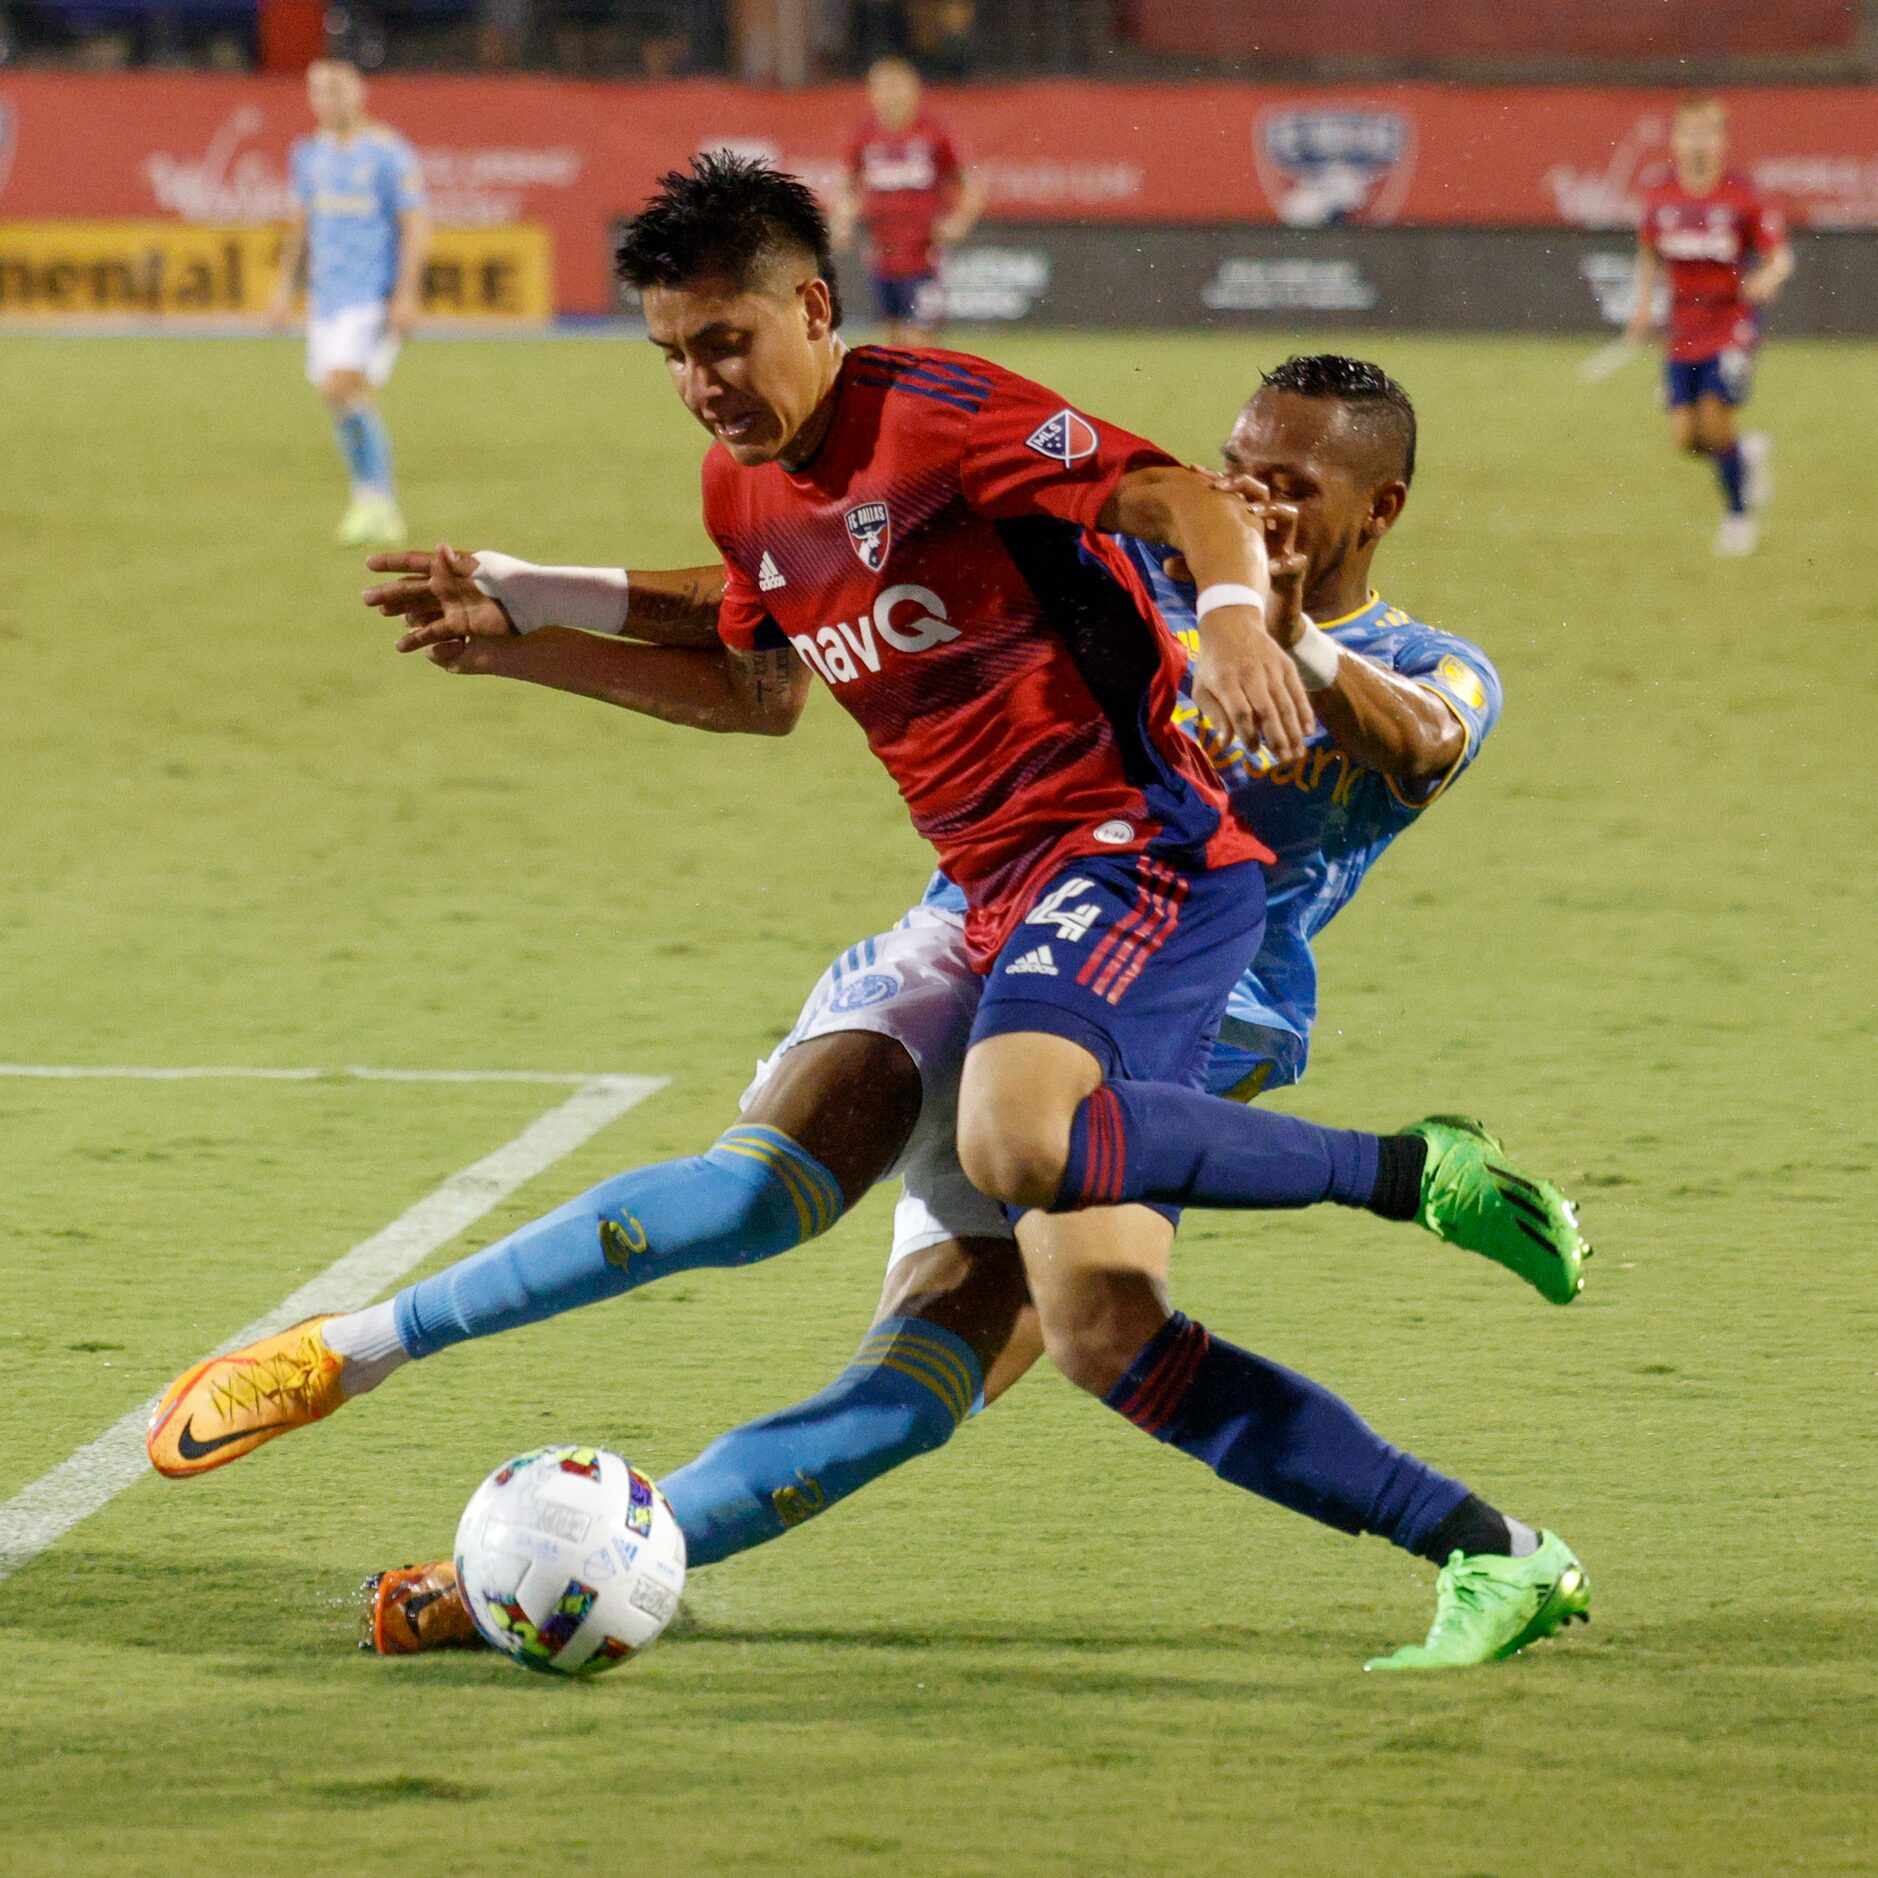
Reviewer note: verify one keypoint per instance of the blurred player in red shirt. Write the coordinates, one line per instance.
(1724, 251)
(907, 189)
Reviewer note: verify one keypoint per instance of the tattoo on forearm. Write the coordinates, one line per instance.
(768, 676)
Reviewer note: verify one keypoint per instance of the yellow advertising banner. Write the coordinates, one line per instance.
(195, 270)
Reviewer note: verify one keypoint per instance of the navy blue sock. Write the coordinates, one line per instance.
(1160, 1141)
(1278, 1434)
(1732, 470)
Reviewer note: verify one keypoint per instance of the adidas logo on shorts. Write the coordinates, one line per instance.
(1038, 961)
(768, 575)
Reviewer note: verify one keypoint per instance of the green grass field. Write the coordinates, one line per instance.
(237, 831)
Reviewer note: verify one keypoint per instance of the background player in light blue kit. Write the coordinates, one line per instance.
(362, 229)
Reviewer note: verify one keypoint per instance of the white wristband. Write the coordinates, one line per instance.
(1315, 655)
(594, 599)
(1224, 593)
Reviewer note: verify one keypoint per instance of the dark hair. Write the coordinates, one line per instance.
(1369, 391)
(731, 215)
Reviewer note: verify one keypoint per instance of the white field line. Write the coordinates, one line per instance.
(80, 1072)
(43, 1513)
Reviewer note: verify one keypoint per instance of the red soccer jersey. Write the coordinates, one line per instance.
(935, 564)
(905, 179)
(1704, 243)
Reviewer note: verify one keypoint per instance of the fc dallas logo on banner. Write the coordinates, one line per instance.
(870, 528)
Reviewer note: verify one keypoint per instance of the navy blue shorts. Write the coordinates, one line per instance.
(916, 299)
(1728, 376)
(1131, 957)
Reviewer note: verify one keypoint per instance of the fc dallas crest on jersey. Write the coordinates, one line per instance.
(870, 528)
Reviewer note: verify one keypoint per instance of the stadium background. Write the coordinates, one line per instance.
(1200, 164)
(238, 833)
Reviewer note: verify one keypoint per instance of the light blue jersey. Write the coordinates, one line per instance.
(1326, 819)
(353, 192)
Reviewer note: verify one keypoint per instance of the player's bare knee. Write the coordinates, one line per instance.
(1090, 1343)
(1011, 1157)
(1017, 1103)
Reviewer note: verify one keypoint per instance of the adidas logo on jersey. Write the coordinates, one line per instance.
(1038, 962)
(768, 575)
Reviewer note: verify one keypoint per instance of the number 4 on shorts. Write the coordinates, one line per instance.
(1071, 923)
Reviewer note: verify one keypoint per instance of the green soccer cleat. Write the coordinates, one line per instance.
(1487, 1607)
(1473, 1199)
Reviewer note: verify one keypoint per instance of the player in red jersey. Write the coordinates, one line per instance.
(927, 533)
(1725, 252)
(906, 187)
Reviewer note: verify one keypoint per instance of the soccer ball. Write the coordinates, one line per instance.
(570, 1560)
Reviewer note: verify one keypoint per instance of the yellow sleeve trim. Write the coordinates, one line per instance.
(1417, 803)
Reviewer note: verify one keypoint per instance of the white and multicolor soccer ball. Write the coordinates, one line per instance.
(570, 1560)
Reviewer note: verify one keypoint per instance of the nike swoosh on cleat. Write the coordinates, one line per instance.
(193, 1450)
(415, 1607)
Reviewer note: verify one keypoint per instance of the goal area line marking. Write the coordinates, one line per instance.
(87, 1480)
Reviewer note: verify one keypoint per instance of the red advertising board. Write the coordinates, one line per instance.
(573, 156)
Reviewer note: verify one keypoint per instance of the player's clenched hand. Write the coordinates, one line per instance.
(1244, 680)
(438, 596)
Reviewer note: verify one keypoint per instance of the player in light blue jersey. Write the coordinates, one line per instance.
(361, 226)
(866, 1085)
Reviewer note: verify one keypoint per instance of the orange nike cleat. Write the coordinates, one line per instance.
(417, 1609)
(226, 1407)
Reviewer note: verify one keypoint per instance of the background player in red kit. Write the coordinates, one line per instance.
(1725, 252)
(909, 192)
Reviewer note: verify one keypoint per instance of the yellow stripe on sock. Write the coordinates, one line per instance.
(808, 1181)
(804, 1216)
(947, 1400)
(944, 1371)
(951, 1386)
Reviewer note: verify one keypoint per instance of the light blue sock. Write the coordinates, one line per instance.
(756, 1193)
(365, 444)
(910, 1385)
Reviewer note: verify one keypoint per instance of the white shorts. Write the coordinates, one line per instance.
(355, 339)
(916, 985)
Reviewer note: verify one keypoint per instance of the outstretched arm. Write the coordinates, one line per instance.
(692, 678)
(758, 693)
(448, 595)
